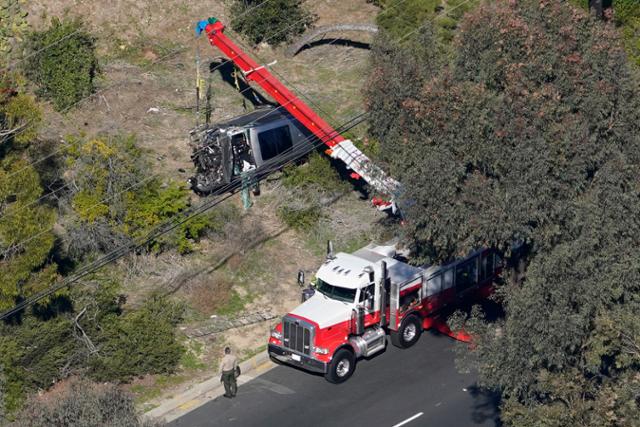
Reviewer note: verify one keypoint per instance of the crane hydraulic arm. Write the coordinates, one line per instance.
(338, 146)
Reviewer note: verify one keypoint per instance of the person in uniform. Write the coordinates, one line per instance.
(228, 367)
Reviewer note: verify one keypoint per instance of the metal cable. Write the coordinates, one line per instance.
(223, 194)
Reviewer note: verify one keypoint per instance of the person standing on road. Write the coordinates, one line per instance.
(228, 367)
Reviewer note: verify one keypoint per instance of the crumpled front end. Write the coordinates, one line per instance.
(210, 160)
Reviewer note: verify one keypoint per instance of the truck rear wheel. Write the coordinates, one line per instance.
(341, 367)
(408, 334)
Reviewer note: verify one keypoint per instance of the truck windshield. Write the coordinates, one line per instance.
(335, 292)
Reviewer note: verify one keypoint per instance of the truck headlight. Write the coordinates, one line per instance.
(321, 350)
(275, 334)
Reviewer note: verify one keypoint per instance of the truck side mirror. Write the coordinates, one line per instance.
(301, 278)
(368, 300)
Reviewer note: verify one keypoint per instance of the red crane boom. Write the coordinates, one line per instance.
(262, 77)
(338, 146)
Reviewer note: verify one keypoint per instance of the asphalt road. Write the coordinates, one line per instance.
(387, 390)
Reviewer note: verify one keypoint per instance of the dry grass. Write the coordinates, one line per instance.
(208, 295)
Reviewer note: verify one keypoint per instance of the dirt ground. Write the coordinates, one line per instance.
(147, 88)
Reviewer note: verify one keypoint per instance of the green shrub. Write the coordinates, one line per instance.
(13, 24)
(626, 15)
(25, 237)
(317, 172)
(302, 219)
(272, 21)
(32, 356)
(63, 62)
(121, 201)
(402, 18)
(139, 342)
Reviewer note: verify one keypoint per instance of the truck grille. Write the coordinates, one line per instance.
(297, 335)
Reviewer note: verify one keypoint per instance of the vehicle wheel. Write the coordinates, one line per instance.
(341, 367)
(408, 334)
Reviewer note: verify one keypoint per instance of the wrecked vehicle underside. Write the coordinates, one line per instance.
(222, 151)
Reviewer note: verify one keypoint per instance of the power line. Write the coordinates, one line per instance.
(227, 191)
(100, 91)
(221, 195)
(61, 149)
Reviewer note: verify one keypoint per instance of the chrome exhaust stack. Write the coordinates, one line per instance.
(383, 293)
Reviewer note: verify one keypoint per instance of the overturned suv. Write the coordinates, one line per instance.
(222, 151)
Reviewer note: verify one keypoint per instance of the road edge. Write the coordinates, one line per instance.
(208, 390)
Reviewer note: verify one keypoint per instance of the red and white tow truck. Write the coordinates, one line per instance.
(362, 297)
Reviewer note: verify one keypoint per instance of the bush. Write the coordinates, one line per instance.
(272, 21)
(140, 342)
(82, 403)
(626, 15)
(300, 218)
(13, 24)
(310, 185)
(63, 62)
(121, 201)
(401, 18)
(25, 243)
(317, 172)
(33, 355)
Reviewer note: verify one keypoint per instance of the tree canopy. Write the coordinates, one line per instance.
(26, 238)
(530, 133)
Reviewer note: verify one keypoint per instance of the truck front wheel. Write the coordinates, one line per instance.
(341, 367)
(408, 334)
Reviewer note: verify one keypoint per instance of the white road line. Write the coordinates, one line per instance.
(408, 420)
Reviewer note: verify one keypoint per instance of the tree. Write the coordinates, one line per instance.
(118, 201)
(523, 138)
(272, 21)
(62, 62)
(26, 238)
(13, 25)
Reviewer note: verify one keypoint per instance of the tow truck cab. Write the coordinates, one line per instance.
(258, 137)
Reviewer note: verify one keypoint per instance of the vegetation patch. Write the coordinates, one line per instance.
(513, 141)
(272, 21)
(140, 342)
(81, 403)
(62, 62)
(117, 201)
